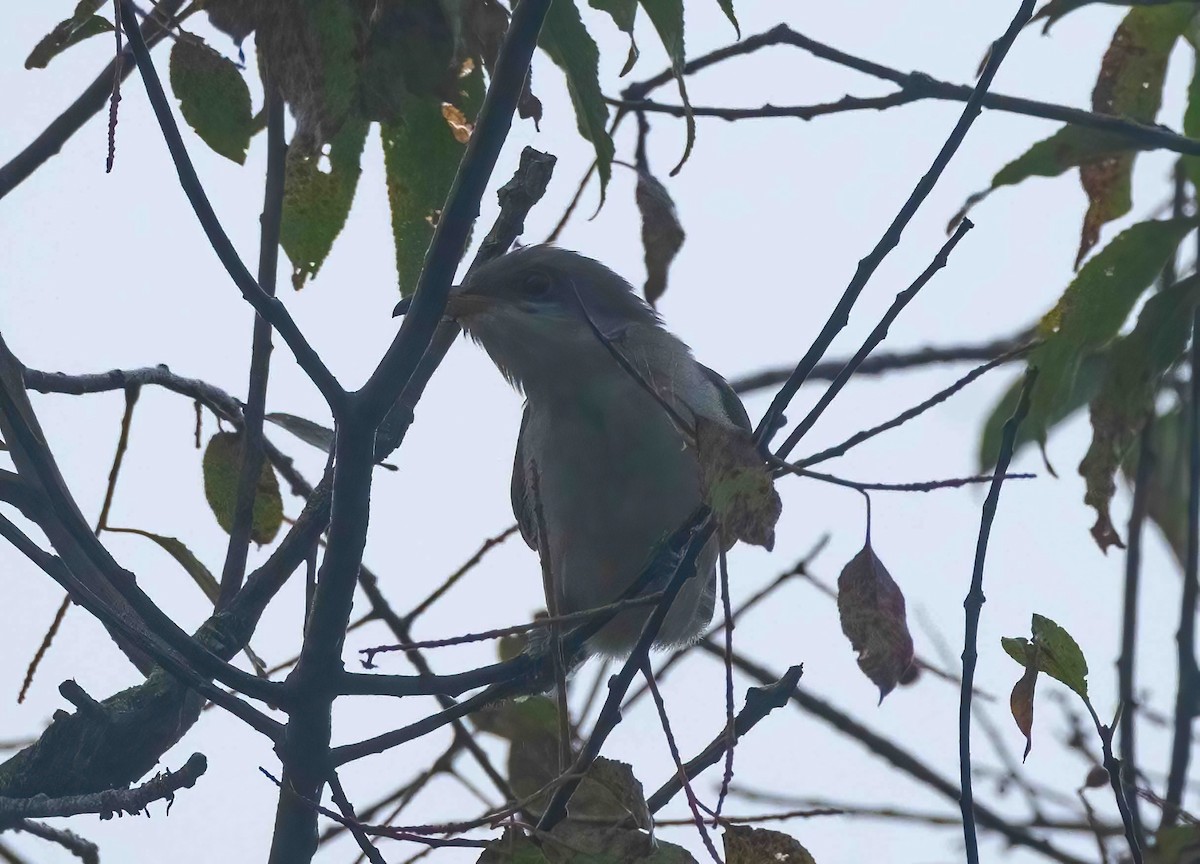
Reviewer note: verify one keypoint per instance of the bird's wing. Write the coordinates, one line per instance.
(734, 409)
(522, 504)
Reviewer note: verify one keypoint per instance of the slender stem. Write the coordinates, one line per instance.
(234, 570)
(1189, 677)
(974, 606)
(891, 237)
(1126, 662)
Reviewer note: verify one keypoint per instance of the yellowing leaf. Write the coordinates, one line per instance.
(1136, 365)
(222, 467)
(1058, 655)
(737, 485)
(1129, 85)
(872, 610)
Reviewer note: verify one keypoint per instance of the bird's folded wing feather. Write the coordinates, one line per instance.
(522, 500)
(733, 406)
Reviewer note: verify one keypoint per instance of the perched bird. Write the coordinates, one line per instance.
(613, 472)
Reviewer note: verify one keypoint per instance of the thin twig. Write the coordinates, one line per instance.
(1186, 697)
(876, 336)
(974, 605)
(891, 237)
(903, 417)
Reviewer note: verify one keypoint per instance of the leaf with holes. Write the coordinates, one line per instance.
(213, 97)
(222, 467)
(1129, 85)
(737, 485)
(571, 47)
(745, 845)
(420, 156)
(662, 235)
(84, 22)
(1058, 654)
(1137, 363)
(609, 792)
(872, 610)
(317, 194)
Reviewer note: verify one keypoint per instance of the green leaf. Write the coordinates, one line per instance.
(667, 18)
(1057, 654)
(1167, 497)
(307, 431)
(746, 845)
(513, 848)
(1083, 390)
(1127, 394)
(82, 24)
(420, 155)
(1129, 85)
(181, 553)
(1092, 309)
(222, 467)
(623, 13)
(727, 8)
(317, 199)
(1191, 117)
(1069, 147)
(571, 47)
(213, 97)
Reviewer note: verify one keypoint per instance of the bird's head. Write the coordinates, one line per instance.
(530, 311)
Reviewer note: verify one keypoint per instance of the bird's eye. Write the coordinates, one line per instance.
(537, 284)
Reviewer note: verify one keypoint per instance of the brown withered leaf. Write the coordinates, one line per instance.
(737, 485)
(745, 845)
(872, 610)
(1129, 85)
(1020, 702)
(662, 235)
(485, 23)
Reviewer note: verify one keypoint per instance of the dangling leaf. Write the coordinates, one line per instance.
(213, 97)
(1167, 496)
(662, 234)
(317, 199)
(1092, 309)
(1021, 700)
(623, 14)
(1127, 394)
(178, 550)
(667, 18)
(1069, 147)
(1129, 85)
(736, 484)
(872, 610)
(222, 468)
(84, 22)
(571, 47)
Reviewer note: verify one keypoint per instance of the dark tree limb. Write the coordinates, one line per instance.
(110, 802)
(974, 606)
(234, 569)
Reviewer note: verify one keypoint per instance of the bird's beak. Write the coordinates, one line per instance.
(459, 304)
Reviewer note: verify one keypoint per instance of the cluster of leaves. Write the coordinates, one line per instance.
(1084, 353)
(608, 819)
(415, 67)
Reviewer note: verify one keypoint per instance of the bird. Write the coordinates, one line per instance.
(604, 461)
